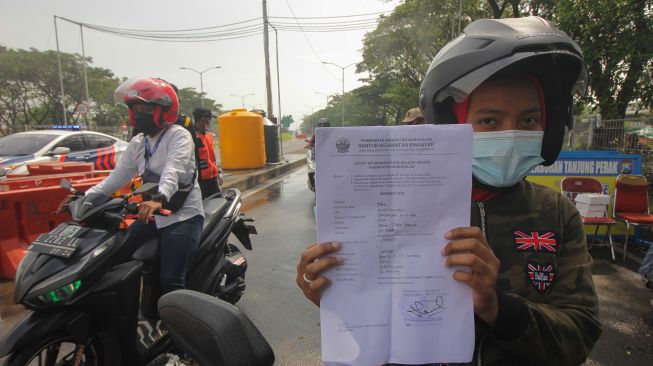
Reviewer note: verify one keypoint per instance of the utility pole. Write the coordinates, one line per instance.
(63, 103)
(266, 51)
(276, 40)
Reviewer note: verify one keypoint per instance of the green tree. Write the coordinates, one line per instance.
(189, 99)
(104, 111)
(396, 54)
(615, 36)
(30, 91)
(286, 121)
(617, 42)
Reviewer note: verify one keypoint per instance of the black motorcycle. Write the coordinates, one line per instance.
(86, 302)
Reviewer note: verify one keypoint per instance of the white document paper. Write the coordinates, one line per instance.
(389, 194)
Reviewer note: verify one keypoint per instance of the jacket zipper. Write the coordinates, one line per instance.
(481, 209)
(479, 354)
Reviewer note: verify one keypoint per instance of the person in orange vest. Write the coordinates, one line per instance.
(209, 177)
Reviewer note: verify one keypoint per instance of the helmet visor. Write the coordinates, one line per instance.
(145, 90)
(572, 68)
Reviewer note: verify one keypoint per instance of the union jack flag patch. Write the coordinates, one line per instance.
(536, 241)
(541, 276)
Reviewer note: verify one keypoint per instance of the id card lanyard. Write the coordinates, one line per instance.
(148, 150)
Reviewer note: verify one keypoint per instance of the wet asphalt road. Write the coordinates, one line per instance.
(285, 222)
(283, 210)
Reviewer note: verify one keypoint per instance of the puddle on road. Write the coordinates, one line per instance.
(286, 185)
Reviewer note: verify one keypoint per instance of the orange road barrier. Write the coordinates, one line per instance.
(59, 168)
(26, 213)
(30, 181)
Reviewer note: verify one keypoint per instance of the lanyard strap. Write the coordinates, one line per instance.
(148, 150)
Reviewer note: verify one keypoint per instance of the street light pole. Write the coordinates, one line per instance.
(63, 102)
(201, 80)
(81, 34)
(327, 96)
(242, 98)
(343, 86)
(312, 107)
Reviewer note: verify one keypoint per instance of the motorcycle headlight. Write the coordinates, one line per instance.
(69, 277)
(63, 293)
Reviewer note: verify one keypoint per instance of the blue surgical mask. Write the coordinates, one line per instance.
(503, 158)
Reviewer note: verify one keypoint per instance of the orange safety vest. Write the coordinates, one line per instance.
(208, 167)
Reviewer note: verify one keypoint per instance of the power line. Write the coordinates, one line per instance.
(309, 42)
(205, 39)
(335, 16)
(325, 27)
(247, 28)
(232, 32)
(170, 30)
(47, 46)
(171, 34)
(340, 22)
(330, 29)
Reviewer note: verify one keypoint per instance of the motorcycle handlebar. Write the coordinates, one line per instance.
(162, 212)
(132, 208)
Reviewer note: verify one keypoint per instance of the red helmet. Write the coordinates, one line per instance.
(153, 91)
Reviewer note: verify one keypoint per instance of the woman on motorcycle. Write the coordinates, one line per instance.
(534, 299)
(162, 153)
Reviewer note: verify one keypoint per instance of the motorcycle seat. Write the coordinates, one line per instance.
(212, 331)
(214, 208)
(148, 251)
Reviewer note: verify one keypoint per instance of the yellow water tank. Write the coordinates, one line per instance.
(242, 140)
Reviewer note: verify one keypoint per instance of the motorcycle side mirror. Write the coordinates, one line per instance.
(58, 151)
(212, 331)
(147, 188)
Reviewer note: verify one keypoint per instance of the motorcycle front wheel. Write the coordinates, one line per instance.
(60, 350)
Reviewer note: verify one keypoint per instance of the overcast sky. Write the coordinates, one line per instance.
(29, 23)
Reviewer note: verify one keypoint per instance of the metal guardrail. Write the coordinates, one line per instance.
(629, 136)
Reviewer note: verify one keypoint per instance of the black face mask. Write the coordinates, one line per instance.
(145, 123)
